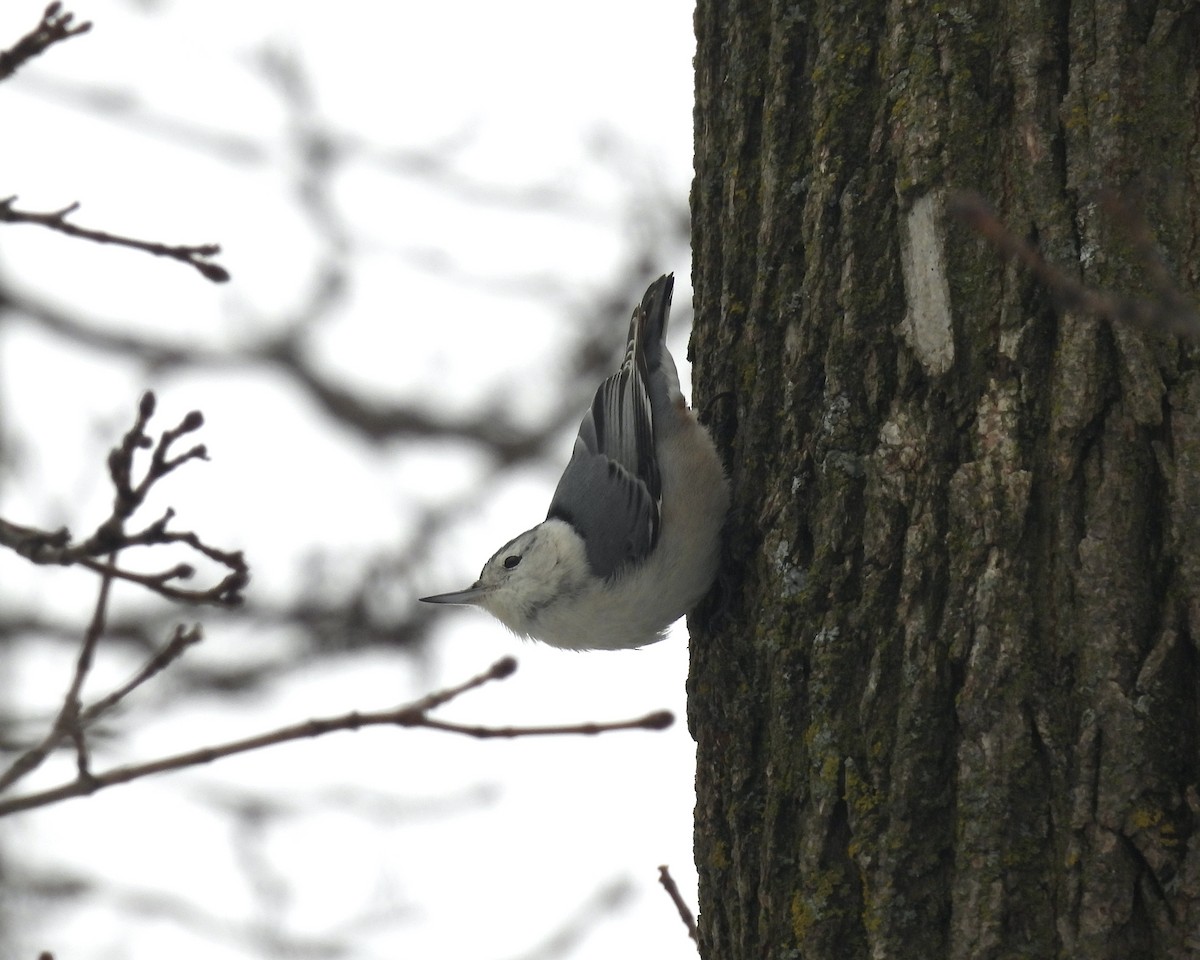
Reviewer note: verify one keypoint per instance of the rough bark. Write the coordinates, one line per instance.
(950, 705)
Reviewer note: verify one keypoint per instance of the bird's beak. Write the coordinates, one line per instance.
(472, 595)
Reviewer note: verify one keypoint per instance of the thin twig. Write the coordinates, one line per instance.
(181, 639)
(67, 723)
(685, 913)
(412, 715)
(56, 546)
(73, 718)
(659, 720)
(404, 716)
(55, 26)
(160, 583)
(194, 256)
(502, 669)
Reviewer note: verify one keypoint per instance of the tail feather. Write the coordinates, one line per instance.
(648, 326)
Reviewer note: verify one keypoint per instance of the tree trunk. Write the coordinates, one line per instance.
(949, 706)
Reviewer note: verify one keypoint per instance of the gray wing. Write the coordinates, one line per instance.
(611, 490)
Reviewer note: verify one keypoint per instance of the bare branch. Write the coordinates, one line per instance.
(67, 723)
(193, 256)
(73, 718)
(56, 547)
(658, 720)
(55, 26)
(685, 913)
(412, 715)
(1171, 313)
(181, 639)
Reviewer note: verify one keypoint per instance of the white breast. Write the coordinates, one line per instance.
(636, 607)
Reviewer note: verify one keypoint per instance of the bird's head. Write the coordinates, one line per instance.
(541, 567)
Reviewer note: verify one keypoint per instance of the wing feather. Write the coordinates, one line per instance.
(611, 491)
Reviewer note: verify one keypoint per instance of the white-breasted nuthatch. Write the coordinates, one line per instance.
(633, 536)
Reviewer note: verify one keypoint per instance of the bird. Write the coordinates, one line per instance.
(632, 539)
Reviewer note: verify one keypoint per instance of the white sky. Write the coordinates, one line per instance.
(529, 85)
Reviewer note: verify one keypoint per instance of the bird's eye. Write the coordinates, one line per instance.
(510, 562)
